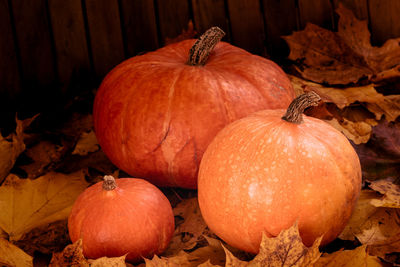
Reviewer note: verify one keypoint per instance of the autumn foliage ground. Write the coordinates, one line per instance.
(43, 168)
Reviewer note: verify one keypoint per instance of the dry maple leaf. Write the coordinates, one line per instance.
(11, 255)
(72, 256)
(348, 258)
(178, 260)
(371, 224)
(390, 192)
(344, 57)
(287, 249)
(87, 143)
(187, 233)
(12, 146)
(26, 204)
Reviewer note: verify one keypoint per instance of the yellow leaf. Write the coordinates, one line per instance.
(11, 147)
(11, 255)
(287, 249)
(26, 204)
(390, 192)
(358, 132)
(349, 258)
(371, 224)
(87, 143)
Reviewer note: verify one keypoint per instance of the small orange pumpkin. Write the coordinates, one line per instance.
(264, 172)
(155, 114)
(124, 217)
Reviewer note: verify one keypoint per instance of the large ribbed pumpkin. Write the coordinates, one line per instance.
(155, 114)
(263, 173)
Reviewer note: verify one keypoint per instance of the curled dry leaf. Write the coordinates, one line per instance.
(178, 260)
(87, 143)
(12, 146)
(390, 192)
(348, 258)
(72, 256)
(344, 57)
(371, 224)
(187, 233)
(27, 204)
(11, 255)
(287, 249)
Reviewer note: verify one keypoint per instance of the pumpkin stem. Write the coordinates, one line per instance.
(294, 113)
(202, 48)
(109, 183)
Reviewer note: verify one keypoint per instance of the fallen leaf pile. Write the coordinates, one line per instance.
(43, 169)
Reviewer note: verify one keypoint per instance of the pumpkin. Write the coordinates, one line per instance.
(155, 114)
(265, 172)
(127, 216)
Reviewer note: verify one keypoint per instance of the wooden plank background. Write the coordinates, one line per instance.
(51, 49)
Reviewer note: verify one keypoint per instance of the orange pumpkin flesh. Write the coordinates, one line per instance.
(134, 218)
(262, 174)
(155, 114)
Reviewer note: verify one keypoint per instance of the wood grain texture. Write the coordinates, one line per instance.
(209, 13)
(316, 12)
(34, 43)
(72, 54)
(280, 19)
(173, 16)
(247, 25)
(105, 35)
(9, 73)
(384, 20)
(139, 26)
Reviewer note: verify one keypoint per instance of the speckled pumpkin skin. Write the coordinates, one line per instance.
(262, 173)
(154, 115)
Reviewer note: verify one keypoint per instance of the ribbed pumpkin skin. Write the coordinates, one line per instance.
(135, 217)
(154, 115)
(262, 173)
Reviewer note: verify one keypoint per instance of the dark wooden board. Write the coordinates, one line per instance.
(105, 35)
(139, 26)
(9, 73)
(384, 20)
(317, 12)
(247, 25)
(280, 19)
(73, 63)
(209, 13)
(173, 18)
(34, 42)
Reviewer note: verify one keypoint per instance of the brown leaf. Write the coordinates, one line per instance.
(108, 262)
(187, 233)
(11, 255)
(43, 155)
(371, 224)
(71, 256)
(178, 260)
(384, 247)
(380, 157)
(344, 57)
(46, 239)
(390, 192)
(348, 258)
(87, 143)
(26, 204)
(287, 249)
(12, 146)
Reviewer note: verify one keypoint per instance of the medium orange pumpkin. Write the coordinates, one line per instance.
(128, 217)
(155, 114)
(263, 173)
